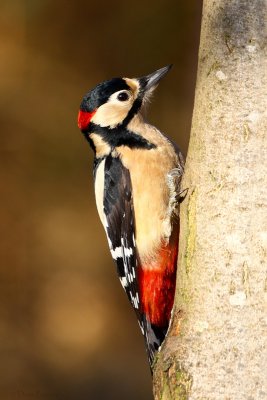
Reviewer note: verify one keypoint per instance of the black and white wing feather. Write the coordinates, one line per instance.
(120, 225)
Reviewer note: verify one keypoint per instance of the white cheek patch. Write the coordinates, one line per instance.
(110, 114)
(114, 111)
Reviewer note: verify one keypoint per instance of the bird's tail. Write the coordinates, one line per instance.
(154, 337)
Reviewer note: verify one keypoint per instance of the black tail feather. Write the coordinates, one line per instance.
(154, 337)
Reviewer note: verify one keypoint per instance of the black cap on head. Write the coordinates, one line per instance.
(101, 93)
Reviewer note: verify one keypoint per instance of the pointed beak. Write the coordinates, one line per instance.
(150, 81)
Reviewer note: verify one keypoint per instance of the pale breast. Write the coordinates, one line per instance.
(148, 170)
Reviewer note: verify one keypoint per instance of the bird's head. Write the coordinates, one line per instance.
(114, 102)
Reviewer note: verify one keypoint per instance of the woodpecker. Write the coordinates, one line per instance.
(137, 176)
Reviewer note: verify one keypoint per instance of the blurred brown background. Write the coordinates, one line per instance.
(66, 329)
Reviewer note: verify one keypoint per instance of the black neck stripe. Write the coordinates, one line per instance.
(133, 111)
(120, 136)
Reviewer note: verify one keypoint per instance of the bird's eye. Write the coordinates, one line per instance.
(123, 96)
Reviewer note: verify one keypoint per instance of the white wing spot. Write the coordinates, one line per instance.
(141, 327)
(135, 300)
(128, 251)
(109, 242)
(124, 282)
(137, 297)
(116, 253)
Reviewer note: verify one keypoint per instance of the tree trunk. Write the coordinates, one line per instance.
(216, 347)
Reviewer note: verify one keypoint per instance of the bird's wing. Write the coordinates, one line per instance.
(120, 226)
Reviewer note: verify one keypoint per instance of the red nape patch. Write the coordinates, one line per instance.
(84, 119)
(157, 284)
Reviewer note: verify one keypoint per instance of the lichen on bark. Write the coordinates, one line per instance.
(174, 382)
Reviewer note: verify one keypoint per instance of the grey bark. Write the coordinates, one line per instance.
(216, 347)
